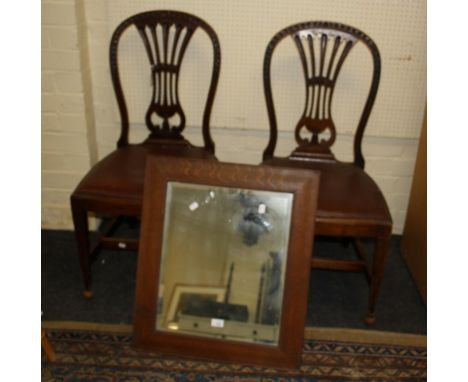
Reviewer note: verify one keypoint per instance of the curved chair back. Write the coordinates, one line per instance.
(323, 48)
(165, 36)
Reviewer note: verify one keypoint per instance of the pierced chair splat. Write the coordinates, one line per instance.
(114, 185)
(350, 204)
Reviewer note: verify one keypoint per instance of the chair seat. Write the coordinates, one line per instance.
(346, 192)
(121, 173)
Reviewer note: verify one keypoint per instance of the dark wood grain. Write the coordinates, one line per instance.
(414, 239)
(303, 184)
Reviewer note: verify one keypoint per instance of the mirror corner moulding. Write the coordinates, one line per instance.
(224, 260)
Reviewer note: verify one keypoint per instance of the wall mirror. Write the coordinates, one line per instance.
(223, 268)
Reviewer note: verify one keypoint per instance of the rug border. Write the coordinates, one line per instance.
(364, 336)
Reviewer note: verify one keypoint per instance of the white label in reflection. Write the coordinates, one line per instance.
(261, 208)
(193, 206)
(217, 323)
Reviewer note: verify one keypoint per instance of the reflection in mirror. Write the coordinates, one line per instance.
(223, 262)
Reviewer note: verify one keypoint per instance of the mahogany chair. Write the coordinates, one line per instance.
(350, 204)
(114, 186)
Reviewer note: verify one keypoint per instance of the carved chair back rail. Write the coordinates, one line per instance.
(323, 48)
(165, 36)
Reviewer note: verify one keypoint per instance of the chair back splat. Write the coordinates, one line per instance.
(165, 36)
(323, 48)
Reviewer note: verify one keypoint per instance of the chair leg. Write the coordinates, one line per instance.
(380, 256)
(48, 349)
(80, 221)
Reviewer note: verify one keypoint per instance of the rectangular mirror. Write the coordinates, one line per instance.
(223, 262)
(223, 268)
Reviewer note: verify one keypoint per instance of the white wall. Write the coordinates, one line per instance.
(80, 126)
(65, 148)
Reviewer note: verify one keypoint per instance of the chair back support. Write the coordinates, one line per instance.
(323, 48)
(165, 36)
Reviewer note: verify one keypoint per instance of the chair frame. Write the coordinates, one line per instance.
(319, 151)
(165, 69)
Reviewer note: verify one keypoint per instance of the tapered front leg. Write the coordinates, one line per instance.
(380, 257)
(80, 221)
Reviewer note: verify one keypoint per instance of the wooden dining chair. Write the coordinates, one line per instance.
(350, 204)
(114, 186)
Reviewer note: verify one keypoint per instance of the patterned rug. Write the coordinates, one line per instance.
(91, 355)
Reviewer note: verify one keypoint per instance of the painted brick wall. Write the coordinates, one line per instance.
(65, 148)
(80, 121)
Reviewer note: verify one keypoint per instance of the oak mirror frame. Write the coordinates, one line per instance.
(224, 260)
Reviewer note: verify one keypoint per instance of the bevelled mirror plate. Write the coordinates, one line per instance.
(224, 260)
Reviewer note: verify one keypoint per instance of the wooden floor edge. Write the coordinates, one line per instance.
(81, 325)
(311, 333)
(365, 336)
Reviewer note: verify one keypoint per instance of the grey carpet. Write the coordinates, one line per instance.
(336, 299)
